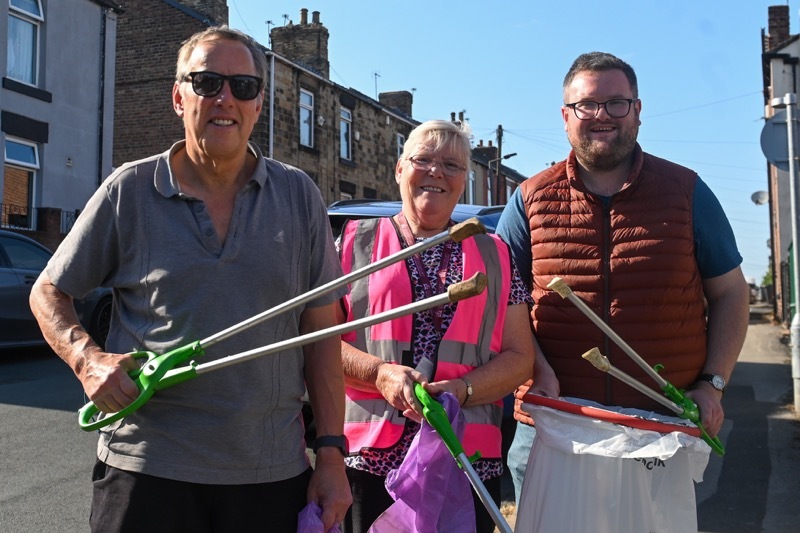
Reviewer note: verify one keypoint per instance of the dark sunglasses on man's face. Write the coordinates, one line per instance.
(209, 84)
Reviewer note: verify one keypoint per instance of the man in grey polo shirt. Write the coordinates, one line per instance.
(192, 241)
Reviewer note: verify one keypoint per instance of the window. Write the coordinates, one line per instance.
(24, 21)
(24, 255)
(19, 171)
(489, 188)
(471, 187)
(346, 134)
(306, 118)
(401, 143)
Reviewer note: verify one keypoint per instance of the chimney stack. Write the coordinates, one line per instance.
(778, 26)
(400, 101)
(305, 44)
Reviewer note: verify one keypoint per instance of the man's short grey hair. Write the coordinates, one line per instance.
(215, 33)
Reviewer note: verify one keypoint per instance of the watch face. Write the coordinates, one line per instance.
(718, 382)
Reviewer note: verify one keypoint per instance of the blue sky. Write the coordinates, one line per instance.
(503, 62)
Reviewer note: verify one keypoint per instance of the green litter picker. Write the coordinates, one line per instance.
(161, 371)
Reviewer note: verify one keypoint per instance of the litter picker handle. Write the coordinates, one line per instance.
(148, 377)
(436, 416)
(675, 400)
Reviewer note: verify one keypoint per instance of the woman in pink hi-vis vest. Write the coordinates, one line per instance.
(478, 350)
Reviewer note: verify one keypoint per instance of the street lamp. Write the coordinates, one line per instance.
(497, 173)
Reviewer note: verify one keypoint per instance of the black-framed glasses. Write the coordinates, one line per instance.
(448, 168)
(615, 108)
(209, 84)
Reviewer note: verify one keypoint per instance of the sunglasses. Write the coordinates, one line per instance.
(209, 84)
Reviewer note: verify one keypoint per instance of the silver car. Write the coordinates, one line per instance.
(21, 261)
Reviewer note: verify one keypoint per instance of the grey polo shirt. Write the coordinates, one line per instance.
(174, 284)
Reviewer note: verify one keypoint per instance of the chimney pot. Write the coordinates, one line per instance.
(304, 16)
(315, 17)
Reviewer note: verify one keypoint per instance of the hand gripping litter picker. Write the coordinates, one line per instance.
(436, 416)
(158, 371)
(675, 399)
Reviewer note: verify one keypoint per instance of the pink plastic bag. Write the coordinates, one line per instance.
(310, 521)
(431, 492)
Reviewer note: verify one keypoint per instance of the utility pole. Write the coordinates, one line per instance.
(498, 186)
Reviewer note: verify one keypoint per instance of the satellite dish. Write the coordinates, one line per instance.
(759, 197)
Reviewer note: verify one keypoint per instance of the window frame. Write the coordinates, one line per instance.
(471, 186)
(32, 168)
(346, 133)
(306, 127)
(35, 20)
(400, 140)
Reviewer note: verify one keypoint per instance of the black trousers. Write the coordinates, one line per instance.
(131, 502)
(370, 499)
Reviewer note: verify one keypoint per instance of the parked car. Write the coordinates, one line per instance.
(21, 261)
(339, 212)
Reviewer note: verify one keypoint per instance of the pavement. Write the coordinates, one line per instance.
(755, 486)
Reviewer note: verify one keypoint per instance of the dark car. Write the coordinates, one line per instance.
(339, 212)
(21, 261)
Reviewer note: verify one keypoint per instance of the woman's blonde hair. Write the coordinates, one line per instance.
(438, 135)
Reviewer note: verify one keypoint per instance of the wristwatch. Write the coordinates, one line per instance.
(717, 381)
(335, 441)
(469, 389)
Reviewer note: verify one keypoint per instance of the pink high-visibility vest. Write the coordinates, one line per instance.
(472, 339)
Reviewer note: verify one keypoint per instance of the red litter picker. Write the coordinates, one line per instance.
(161, 371)
(675, 399)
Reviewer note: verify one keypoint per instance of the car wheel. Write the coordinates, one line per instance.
(101, 320)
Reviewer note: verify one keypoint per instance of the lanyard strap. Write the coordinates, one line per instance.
(441, 278)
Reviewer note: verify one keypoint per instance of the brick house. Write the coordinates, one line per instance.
(56, 105)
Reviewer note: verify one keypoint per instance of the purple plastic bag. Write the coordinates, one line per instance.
(431, 492)
(309, 520)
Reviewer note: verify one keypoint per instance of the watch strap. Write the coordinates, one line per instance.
(469, 390)
(335, 441)
(716, 381)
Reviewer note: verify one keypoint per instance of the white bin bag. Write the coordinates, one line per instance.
(609, 470)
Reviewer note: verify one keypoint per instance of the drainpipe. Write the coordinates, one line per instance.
(271, 105)
(101, 108)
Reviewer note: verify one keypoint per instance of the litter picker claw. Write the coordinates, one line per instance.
(158, 372)
(675, 399)
(436, 416)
